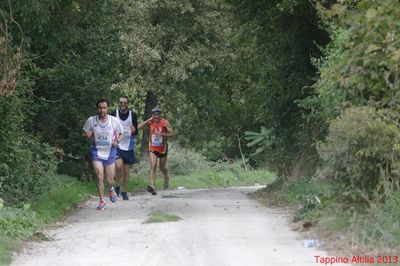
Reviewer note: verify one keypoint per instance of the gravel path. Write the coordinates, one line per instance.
(218, 227)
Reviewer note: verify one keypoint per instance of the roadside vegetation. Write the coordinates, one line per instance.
(346, 228)
(190, 170)
(352, 192)
(24, 221)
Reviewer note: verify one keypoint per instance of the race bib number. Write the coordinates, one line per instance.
(102, 139)
(156, 140)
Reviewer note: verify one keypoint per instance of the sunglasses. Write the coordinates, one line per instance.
(157, 113)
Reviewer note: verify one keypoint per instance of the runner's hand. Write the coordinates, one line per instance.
(115, 143)
(88, 134)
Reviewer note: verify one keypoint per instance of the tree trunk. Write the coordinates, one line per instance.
(150, 103)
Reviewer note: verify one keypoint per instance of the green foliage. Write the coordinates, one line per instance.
(72, 54)
(342, 226)
(18, 222)
(183, 161)
(274, 41)
(65, 194)
(191, 170)
(360, 153)
(26, 161)
(160, 217)
(29, 173)
(355, 104)
(216, 71)
(301, 193)
(218, 148)
(24, 222)
(362, 64)
(380, 225)
(262, 140)
(211, 178)
(7, 246)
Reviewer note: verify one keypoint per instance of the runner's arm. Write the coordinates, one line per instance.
(118, 130)
(170, 131)
(88, 129)
(120, 137)
(87, 134)
(145, 123)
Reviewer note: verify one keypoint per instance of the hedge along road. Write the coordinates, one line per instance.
(218, 227)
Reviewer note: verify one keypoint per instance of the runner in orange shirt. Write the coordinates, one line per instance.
(160, 129)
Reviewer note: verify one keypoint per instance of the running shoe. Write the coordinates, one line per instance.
(151, 190)
(124, 196)
(117, 190)
(166, 183)
(102, 205)
(113, 196)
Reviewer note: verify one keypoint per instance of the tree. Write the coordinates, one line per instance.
(277, 40)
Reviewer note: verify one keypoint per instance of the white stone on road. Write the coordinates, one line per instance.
(218, 227)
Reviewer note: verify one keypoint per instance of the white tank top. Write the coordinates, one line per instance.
(127, 142)
(103, 136)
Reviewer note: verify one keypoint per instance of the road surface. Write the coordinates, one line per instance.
(218, 227)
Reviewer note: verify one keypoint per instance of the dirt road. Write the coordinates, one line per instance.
(218, 227)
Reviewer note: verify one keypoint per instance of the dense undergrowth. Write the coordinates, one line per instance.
(348, 228)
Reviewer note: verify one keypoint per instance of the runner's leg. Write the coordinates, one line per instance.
(119, 165)
(99, 171)
(164, 170)
(153, 170)
(126, 177)
(109, 172)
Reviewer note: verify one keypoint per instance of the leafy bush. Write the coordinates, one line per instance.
(361, 64)
(75, 168)
(183, 161)
(26, 161)
(18, 222)
(215, 148)
(360, 153)
(26, 173)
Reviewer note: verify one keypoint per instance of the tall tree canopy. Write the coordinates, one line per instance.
(281, 70)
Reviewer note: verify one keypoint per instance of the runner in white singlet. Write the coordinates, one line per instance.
(106, 133)
(126, 148)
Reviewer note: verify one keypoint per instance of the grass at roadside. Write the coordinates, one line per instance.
(190, 170)
(218, 179)
(54, 205)
(7, 246)
(23, 223)
(346, 228)
(207, 178)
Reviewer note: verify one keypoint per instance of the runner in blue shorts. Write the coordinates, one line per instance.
(106, 133)
(126, 148)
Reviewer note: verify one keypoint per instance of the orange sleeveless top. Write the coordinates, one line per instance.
(156, 142)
